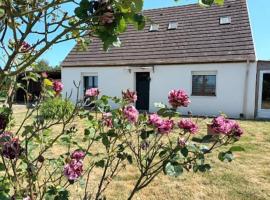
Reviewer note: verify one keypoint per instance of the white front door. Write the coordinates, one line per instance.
(264, 95)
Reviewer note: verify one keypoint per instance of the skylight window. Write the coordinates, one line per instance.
(154, 27)
(173, 25)
(225, 20)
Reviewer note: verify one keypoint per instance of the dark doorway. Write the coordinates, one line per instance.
(143, 88)
(266, 91)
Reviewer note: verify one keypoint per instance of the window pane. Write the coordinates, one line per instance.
(197, 84)
(210, 85)
(95, 81)
(90, 82)
(204, 85)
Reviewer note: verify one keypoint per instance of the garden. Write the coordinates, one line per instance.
(55, 149)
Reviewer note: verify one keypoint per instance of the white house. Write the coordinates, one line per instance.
(207, 52)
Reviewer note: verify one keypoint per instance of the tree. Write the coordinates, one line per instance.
(123, 136)
(43, 65)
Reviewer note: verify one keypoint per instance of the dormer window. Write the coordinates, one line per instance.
(173, 25)
(225, 20)
(154, 27)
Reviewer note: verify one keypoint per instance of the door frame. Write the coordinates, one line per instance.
(262, 113)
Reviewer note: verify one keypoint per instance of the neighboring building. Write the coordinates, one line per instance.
(207, 52)
(263, 90)
(34, 88)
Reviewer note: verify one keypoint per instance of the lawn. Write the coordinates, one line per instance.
(247, 177)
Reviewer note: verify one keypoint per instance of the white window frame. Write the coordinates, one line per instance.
(225, 20)
(262, 113)
(154, 27)
(204, 73)
(173, 25)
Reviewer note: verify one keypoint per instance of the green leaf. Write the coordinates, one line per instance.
(139, 5)
(173, 169)
(105, 141)
(219, 2)
(236, 148)
(122, 26)
(184, 152)
(206, 3)
(100, 163)
(2, 12)
(204, 168)
(129, 159)
(226, 156)
(2, 167)
(4, 196)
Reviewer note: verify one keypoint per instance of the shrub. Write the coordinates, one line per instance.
(56, 108)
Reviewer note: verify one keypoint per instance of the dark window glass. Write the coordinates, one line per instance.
(90, 82)
(266, 92)
(204, 85)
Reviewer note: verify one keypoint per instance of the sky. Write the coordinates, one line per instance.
(259, 11)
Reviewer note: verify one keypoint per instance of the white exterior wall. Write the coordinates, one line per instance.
(230, 85)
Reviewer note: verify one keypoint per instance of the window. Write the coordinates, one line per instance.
(154, 27)
(225, 20)
(90, 82)
(173, 25)
(204, 83)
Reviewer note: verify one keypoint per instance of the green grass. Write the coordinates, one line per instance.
(246, 178)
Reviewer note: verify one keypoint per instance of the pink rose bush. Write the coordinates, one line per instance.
(129, 96)
(25, 47)
(226, 126)
(131, 114)
(188, 125)
(107, 119)
(92, 92)
(78, 155)
(58, 86)
(155, 120)
(10, 145)
(178, 98)
(163, 126)
(74, 168)
(166, 126)
(120, 135)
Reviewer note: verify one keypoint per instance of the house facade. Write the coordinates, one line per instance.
(207, 52)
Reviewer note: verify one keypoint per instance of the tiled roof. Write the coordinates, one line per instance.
(199, 38)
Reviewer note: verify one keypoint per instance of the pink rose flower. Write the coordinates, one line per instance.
(131, 113)
(226, 126)
(92, 92)
(222, 125)
(155, 120)
(129, 96)
(58, 86)
(188, 125)
(178, 98)
(107, 119)
(78, 155)
(25, 47)
(237, 130)
(73, 170)
(166, 126)
(11, 149)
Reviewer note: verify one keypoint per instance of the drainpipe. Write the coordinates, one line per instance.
(245, 97)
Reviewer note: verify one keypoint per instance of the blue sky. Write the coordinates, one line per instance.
(260, 22)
